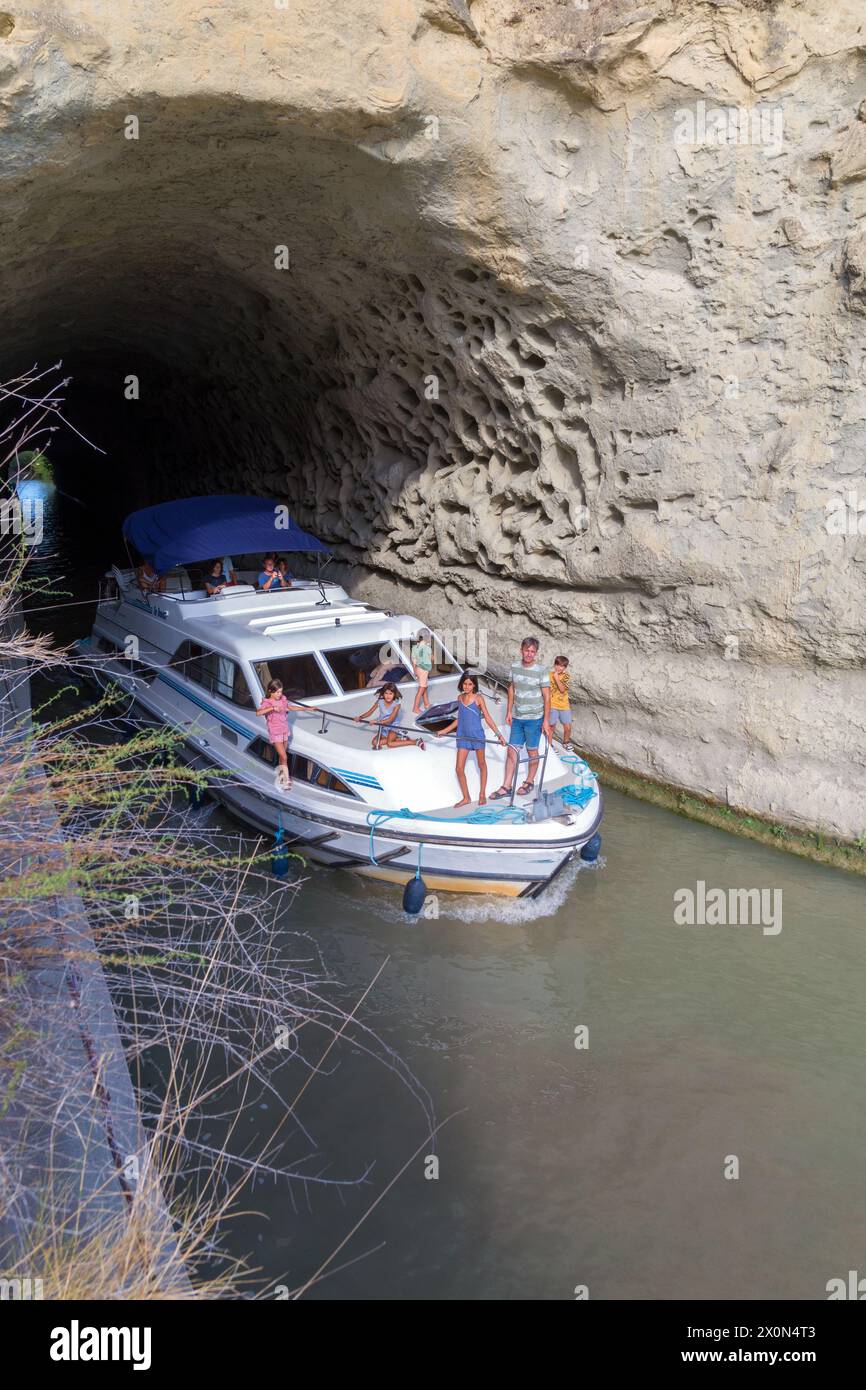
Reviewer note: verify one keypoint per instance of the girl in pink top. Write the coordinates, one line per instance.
(274, 709)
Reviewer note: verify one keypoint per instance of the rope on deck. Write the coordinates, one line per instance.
(482, 815)
(572, 795)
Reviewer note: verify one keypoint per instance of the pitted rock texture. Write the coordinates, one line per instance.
(548, 317)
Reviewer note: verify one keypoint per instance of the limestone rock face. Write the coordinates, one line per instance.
(547, 315)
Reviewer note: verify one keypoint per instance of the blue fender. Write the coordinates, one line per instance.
(591, 850)
(414, 894)
(279, 856)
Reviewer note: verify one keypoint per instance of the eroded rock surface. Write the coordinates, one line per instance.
(567, 334)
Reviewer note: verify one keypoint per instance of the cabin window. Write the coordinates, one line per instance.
(241, 694)
(217, 674)
(353, 666)
(261, 748)
(302, 676)
(302, 769)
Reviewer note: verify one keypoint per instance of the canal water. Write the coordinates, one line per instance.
(629, 1106)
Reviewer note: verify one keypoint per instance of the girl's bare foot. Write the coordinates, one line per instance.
(464, 802)
(482, 801)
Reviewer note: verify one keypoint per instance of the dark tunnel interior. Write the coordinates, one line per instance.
(301, 321)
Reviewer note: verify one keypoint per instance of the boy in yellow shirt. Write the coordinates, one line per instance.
(560, 710)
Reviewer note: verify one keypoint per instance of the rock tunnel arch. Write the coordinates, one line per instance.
(297, 318)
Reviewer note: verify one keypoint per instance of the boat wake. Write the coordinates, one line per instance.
(474, 908)
(513, 911)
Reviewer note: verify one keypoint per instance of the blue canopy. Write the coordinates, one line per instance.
(204, 528)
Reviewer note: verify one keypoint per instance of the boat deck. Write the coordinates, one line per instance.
(360, 737)
(457, 813)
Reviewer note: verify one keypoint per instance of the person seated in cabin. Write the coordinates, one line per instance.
(270, 578)
(149, 582)
(388, 670)
(285, 577)
(218, 580)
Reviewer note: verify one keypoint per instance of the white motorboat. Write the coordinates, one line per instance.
(201, 665)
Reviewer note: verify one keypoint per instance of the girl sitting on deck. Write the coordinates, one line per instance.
(383, 713)
(471, 710)
(274, 709)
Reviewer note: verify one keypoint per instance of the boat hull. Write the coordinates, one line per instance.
(441, 883)
(469, 867)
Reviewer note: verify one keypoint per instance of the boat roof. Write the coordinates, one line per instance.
(254, 625)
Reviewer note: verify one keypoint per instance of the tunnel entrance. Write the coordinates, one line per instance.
(244, 305)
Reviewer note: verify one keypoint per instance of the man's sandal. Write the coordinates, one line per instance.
(525, 789)
(498, 795)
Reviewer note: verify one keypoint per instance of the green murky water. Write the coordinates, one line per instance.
(602, 1166)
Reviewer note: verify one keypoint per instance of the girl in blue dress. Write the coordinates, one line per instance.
(471, 711)
(384, 713)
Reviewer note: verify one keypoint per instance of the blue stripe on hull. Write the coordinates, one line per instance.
(208, 709)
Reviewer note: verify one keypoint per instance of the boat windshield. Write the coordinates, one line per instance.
(355, 668)
(302, 676)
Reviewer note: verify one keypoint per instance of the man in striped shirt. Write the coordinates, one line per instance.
(528, 714)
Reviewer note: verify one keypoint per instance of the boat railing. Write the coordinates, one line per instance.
(109, 589)
(328, 715)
